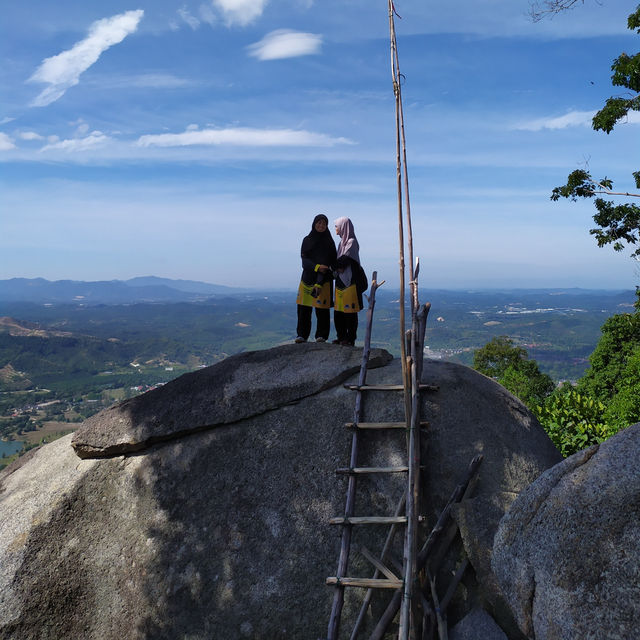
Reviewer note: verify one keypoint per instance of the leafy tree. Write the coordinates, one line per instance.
(608, 371)
(497, 356)
(617, 223)
(511, 367)
(624, 408)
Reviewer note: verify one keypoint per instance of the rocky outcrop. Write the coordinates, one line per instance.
(567, 554)
(237, 388)
(217, 526)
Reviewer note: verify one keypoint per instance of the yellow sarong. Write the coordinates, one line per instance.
(322, 301)
(347, 300)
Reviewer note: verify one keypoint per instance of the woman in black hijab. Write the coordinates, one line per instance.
(318, 254)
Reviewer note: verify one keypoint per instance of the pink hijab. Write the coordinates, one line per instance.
(348, 247)
(348, 242)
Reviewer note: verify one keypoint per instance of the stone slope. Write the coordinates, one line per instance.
(567, 553)
(223, 533)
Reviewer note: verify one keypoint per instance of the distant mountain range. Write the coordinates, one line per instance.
(142, 289)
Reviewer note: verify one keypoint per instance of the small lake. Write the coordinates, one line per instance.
(7, 448)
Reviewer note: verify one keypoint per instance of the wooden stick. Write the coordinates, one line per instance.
(444, 603)
(393, 606)
(442, 627)
(365, 583)
(369, 520)
(378, 565)
(383, 558)
(364, 470)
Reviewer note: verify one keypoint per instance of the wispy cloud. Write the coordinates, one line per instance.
(285, 43)
(93, 140)
(145, 81)
(241, 12)
(207, 15)
(6, 143)
(571, 119)
(30, 135)
(191, 20)
(244, 137)
(63, 71)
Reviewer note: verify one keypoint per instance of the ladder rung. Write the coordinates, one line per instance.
(380, 425)
(374, 387)
(357, 470)
(369, 520)
(387, 387)
(366, 583)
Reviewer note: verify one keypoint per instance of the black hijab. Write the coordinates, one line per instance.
(319, 247)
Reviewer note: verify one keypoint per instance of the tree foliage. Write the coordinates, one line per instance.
(510, 365)
(573, 420)
(620, 340)
(617, 223)
(605, 400)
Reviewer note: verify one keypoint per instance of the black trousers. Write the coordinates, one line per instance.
(346, 326)
(323, 322)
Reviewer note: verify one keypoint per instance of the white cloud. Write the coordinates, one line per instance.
(6, 120)
(633, 117)
(6, 143)
(192, 21)
(285, 43)
(207, 15)
(30, 135)
(244, 137)
(94, 139)
(240, 11)
(63, 71)
(571, 119)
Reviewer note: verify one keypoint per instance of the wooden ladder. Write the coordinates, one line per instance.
(406, 512)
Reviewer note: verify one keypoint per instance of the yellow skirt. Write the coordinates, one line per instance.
(347, 300)
(322, 301)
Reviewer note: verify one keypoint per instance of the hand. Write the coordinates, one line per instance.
(323, 268)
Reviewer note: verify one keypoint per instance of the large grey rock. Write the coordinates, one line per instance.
(477, 625)
(223, 533)
(239, 387)
(568, 551)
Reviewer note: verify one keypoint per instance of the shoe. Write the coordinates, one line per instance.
(300, 339)
(321, 339)
(336, 341)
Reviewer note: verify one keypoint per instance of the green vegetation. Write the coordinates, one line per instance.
(605, 400)
(60, 364)
(511, 367)
(617, 224)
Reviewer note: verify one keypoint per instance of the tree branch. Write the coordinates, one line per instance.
(604, 189)
(541, 8)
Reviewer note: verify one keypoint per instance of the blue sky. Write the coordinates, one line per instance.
(198, 138)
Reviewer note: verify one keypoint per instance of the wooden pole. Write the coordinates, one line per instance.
(396, 92)
(458, 494)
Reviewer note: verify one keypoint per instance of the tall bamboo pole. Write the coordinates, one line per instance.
(396, 90)
(413, 366)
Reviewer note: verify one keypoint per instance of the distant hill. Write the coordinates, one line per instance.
(143, 289)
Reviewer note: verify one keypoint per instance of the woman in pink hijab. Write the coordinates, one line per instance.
(349, 284)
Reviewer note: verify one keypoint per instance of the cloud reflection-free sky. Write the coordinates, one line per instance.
(198, 139)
